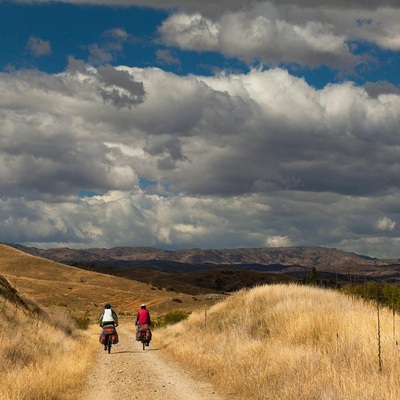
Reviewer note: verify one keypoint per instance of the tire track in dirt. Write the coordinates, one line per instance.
(130, 373)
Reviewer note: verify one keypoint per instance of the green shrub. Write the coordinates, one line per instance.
(386, 294)
(311, 277)
(170, 318)
(83, 322)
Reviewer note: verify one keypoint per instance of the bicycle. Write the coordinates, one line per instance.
(143, 335)
(108, 337)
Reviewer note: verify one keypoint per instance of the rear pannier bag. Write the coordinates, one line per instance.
(148, 335)
(108, 330)
(114, 339)
(144, 329)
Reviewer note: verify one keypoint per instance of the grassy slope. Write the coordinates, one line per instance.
(38, 353)
(290, 342)
(58, 286)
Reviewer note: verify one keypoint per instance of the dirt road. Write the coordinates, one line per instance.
(131, 373)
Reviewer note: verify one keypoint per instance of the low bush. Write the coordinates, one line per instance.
(83, 322)
(170, 318)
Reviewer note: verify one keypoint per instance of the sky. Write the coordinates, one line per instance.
(201, 124)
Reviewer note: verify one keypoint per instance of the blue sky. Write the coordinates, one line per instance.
(200, 124)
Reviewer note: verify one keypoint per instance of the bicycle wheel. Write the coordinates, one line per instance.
(109, 344)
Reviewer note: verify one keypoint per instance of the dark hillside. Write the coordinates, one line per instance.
(197, 281)
(334, 267)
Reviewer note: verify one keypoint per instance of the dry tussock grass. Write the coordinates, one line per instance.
(41, 358)
(290, 342)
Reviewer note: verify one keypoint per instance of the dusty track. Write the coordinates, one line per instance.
(131, 373)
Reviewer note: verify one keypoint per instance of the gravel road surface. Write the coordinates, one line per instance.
(131, 373)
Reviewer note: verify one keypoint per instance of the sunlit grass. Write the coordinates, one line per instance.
(290, 342)
(41, 358)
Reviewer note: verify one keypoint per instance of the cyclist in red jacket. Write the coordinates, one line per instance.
(143, 316)
(143, 322)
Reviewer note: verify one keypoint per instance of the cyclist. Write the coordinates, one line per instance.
(143, 318)
(108, 317)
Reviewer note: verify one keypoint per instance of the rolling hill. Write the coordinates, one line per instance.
(196, 270)
(56, 286)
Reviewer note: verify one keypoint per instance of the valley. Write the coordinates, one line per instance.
(199, 271)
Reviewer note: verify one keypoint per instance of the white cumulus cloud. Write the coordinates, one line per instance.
(386, 224)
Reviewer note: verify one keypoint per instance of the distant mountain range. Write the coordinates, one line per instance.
(145, 263)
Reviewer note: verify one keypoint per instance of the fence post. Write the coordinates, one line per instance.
(379, 329)
(394, 323)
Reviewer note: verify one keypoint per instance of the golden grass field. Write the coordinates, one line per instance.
(272, 342)
(291, 342)
(38, 356)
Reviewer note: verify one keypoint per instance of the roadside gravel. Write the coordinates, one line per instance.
(131, 373)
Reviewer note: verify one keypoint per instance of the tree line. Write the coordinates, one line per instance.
(386, 294)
